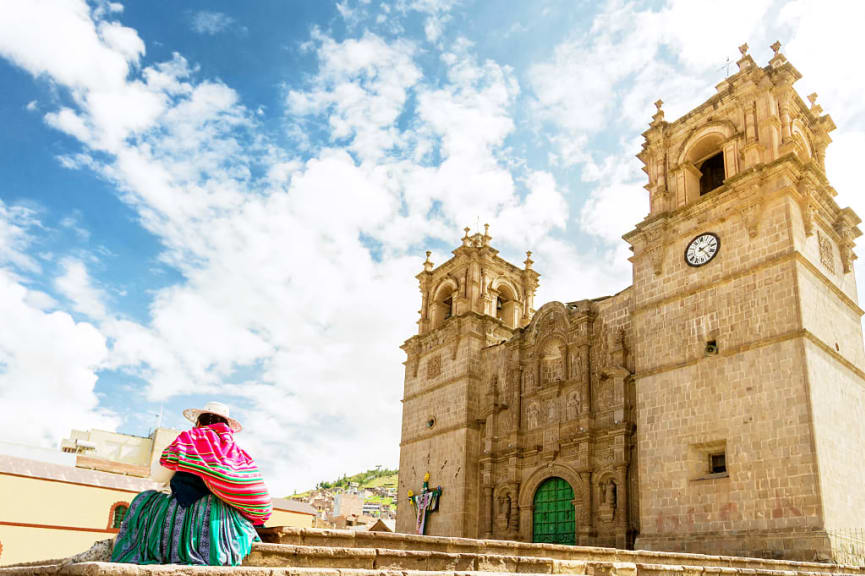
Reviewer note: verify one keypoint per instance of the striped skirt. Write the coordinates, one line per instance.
(156, 530)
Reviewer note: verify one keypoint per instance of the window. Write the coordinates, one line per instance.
(506, 305)
(118, 513)
(712, 170)
(718, 463)
(441, 307)
(707, 461)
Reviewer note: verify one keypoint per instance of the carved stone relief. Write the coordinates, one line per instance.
(827, 257)
(552, 411)
(434, 366)
(605, 393)
(573, 405)
(576, 366)
(552, 370)
(532, 415)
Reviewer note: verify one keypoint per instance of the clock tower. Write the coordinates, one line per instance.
(750, 390)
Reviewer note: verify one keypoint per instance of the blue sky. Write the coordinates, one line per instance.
(225, 200)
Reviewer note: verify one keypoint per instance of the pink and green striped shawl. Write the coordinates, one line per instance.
(228, 471)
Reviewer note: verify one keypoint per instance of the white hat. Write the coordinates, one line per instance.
(217, 408)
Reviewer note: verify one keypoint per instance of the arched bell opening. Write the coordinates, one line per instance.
(712, 173)
(506, 306)
(704, 162)
(443, 304)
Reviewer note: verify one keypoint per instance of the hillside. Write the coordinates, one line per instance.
(375, 478)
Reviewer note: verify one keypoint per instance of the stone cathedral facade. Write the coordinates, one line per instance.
(716, 405)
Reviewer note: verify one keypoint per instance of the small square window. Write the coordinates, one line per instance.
(717, 463)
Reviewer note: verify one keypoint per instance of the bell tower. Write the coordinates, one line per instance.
(749, 360)
(474, 300)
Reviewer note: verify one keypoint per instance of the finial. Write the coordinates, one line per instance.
(815, 108)
(486, 229)
(529, 260)
(658, 117)
(467, 229)
(427, 265)
(743, 49)
(775, 47)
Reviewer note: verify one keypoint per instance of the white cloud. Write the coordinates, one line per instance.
(438, 13)
(48, 369)
(76, 284)
(361, 89)
(209, 22)
(48, 362)
(15, 222)
(618, 201)
(67, 48)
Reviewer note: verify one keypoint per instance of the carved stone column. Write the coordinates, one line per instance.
(488, 511)
(526, 522)
(622, 506)
(585, 529)
(514, 523)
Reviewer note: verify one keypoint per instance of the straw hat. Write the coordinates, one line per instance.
(217, 408)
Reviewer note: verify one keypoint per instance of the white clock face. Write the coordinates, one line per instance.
(702, 249)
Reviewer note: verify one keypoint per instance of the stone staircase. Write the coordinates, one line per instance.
(310, 552)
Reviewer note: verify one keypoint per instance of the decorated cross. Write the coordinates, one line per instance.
(425, 502)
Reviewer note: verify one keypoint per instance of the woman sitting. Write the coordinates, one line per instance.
(217, 497)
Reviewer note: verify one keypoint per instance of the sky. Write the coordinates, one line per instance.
(230, 200)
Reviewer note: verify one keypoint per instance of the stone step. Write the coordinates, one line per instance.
(427, 561)
(587, 569)
(324, 538)
(416, 560)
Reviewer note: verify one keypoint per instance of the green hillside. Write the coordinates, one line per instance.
(376, 478)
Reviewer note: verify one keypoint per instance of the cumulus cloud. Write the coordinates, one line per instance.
(361, 88)
(48, 361)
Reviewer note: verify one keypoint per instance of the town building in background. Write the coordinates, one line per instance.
(118, 453)
(56, 503)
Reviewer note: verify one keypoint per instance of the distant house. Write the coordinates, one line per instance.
(58, 503)
(118, 453)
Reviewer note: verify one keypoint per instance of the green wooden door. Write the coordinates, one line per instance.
(554, 513)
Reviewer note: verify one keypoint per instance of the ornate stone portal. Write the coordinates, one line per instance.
(734, 362)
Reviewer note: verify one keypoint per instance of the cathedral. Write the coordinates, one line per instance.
(716, 405)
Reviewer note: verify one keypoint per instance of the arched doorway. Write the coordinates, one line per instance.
(554, 520)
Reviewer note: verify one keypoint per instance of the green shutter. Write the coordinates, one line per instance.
(554, 520)
(119, 514)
